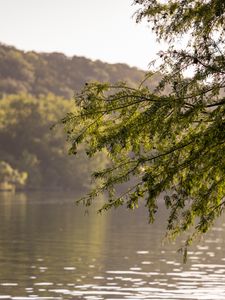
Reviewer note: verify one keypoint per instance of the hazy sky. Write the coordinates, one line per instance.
(97, 29)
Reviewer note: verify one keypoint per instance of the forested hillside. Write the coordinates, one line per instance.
(36, 90)
(43, 73)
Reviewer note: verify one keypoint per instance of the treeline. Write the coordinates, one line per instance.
(36, 90)
(28, 144)
(43, 73)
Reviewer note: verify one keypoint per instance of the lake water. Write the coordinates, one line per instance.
(51, 249)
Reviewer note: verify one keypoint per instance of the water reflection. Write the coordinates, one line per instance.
(49, 249)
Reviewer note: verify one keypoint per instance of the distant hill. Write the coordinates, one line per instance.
(44, 73)
(35, 92)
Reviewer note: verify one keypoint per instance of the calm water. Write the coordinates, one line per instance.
(49, 249)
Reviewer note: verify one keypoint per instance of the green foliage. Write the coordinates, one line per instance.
(33, 88)
(10, 175)
(44, 73)
(28, 144)
(164, 141)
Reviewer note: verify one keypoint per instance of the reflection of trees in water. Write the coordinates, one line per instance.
(59, 233)
(10, 206)
(45, 230)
